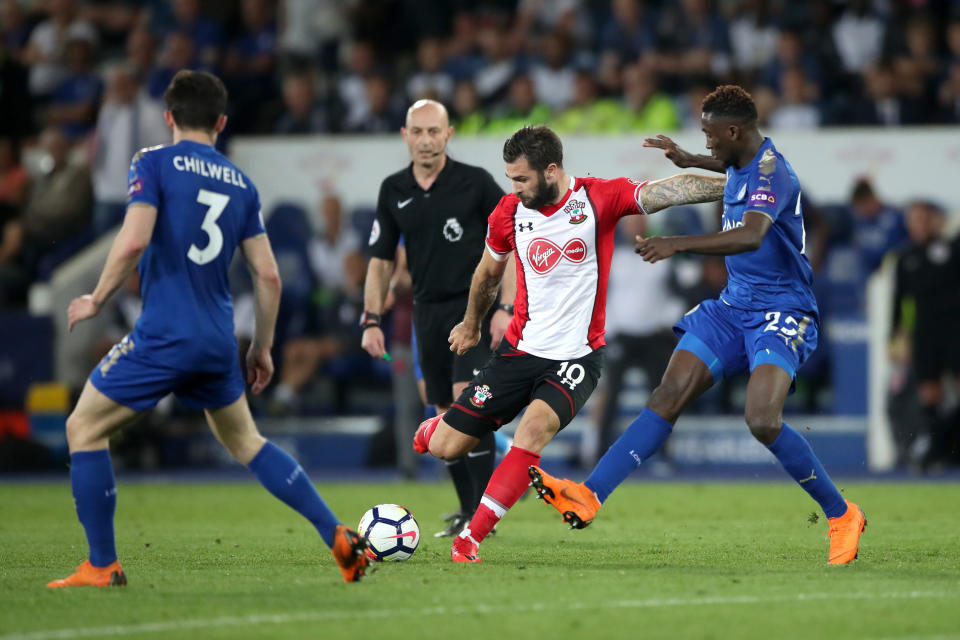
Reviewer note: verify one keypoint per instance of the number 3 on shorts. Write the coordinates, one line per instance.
(216, 203)
(571, 375)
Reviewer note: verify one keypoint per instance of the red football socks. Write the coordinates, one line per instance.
(507, 484)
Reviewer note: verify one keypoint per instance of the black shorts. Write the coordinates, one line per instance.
(936, 350)
(511, 380)
(441, 367)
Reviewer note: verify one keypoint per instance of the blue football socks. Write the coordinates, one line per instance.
(794, 453)
(283, 476)
(95, 497)
(642, 439)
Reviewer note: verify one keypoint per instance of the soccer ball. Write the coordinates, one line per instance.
(391, 531)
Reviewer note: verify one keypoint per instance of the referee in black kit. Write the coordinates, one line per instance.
(440, 207)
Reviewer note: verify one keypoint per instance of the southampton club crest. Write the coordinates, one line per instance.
(481, 393)
(574, 209)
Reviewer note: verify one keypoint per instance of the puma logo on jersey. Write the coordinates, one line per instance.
(402, 203)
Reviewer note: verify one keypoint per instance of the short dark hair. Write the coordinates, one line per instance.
(196, 99)
(730, 102)
(539, 145)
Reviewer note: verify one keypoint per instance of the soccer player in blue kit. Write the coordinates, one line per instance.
(766, 319)
(189, 209)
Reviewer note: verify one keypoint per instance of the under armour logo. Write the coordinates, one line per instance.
(524, 226)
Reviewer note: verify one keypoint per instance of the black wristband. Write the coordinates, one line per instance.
(369, 319)
(505, 307)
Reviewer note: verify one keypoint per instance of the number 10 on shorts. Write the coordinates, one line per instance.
(571, 374)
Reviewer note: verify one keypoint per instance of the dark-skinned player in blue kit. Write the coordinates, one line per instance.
(765, 320)
(189, 209)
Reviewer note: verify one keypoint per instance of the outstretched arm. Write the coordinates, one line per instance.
(267, 289)
(483, 293)
(681, 158)
(683, 188)
(726, 243)
(128, 246)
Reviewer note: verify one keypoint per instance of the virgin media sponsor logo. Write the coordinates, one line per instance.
(544, 255)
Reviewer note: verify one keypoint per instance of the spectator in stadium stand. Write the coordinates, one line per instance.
(567, 17)
(520, 109)
(630, 31)
(204, 33)
(688, 107)
(14, 28)
(129, 120)
(248, 68)
(645, 107)
(919, 67)
(430, 80)
(588, 113)
(608, 74)
(949, 95)
(796, 107)
(641, 310)
(141, 52)
(693, 39)
(13, 276)
(361, 63)
(178, 53)
(61, 198)
(753, 36)
(877, 227)
(885, 104)
(858, 36)
(926, 297)
(440, 207)
(790, 53)
(302, 112)
(74, 101)
(470, 118)
(311, 30)
(46, 49)
(498, 65)
(14, 179)
(384, 114)
(552, 75)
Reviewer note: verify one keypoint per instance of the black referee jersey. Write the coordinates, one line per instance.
(443, 228)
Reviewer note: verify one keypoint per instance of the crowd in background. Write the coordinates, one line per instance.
(82, 82)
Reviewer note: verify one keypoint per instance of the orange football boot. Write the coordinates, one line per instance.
(464, 550)
(88, 575)
(349, 550)
(573, 500)
(844, 534)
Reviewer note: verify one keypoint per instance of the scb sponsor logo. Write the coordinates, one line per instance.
(544, 255)
(763, 197)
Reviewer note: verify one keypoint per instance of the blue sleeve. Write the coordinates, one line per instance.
(143, 181)
(768, 187)
(254, 221)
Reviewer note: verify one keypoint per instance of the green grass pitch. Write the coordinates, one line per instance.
(704, 560)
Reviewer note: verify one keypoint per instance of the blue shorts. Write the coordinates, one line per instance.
(730, 340)
(128, 376)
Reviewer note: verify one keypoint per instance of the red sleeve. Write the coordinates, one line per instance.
(500, 238)
(615, 198)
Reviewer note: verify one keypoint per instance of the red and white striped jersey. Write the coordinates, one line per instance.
(563, 257)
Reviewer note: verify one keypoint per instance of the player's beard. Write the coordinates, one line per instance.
(544, 195)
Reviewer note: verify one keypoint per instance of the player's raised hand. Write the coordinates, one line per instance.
(373, 342)
(672, 151)
(463, 338)
(259, 368)
(80, 309)
(654, 249)
(499, 322)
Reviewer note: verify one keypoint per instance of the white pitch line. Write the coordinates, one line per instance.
(316, 616)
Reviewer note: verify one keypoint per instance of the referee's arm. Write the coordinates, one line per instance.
(379, 272)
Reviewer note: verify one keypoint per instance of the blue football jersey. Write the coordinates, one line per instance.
(205, 206)
(778, 274)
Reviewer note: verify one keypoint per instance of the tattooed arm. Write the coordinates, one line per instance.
(484, 289)
(683, 188)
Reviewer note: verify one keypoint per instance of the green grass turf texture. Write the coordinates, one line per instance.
(705, 560)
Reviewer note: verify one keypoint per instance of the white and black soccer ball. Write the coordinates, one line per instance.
(391, 531)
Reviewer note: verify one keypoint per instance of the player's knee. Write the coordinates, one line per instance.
(764, 425)
(78, 432)
(535, 434)
(667, 400)
(446, 445)
(244, 448)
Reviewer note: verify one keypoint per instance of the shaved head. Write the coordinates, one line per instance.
(429, 110)
(426, 134)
